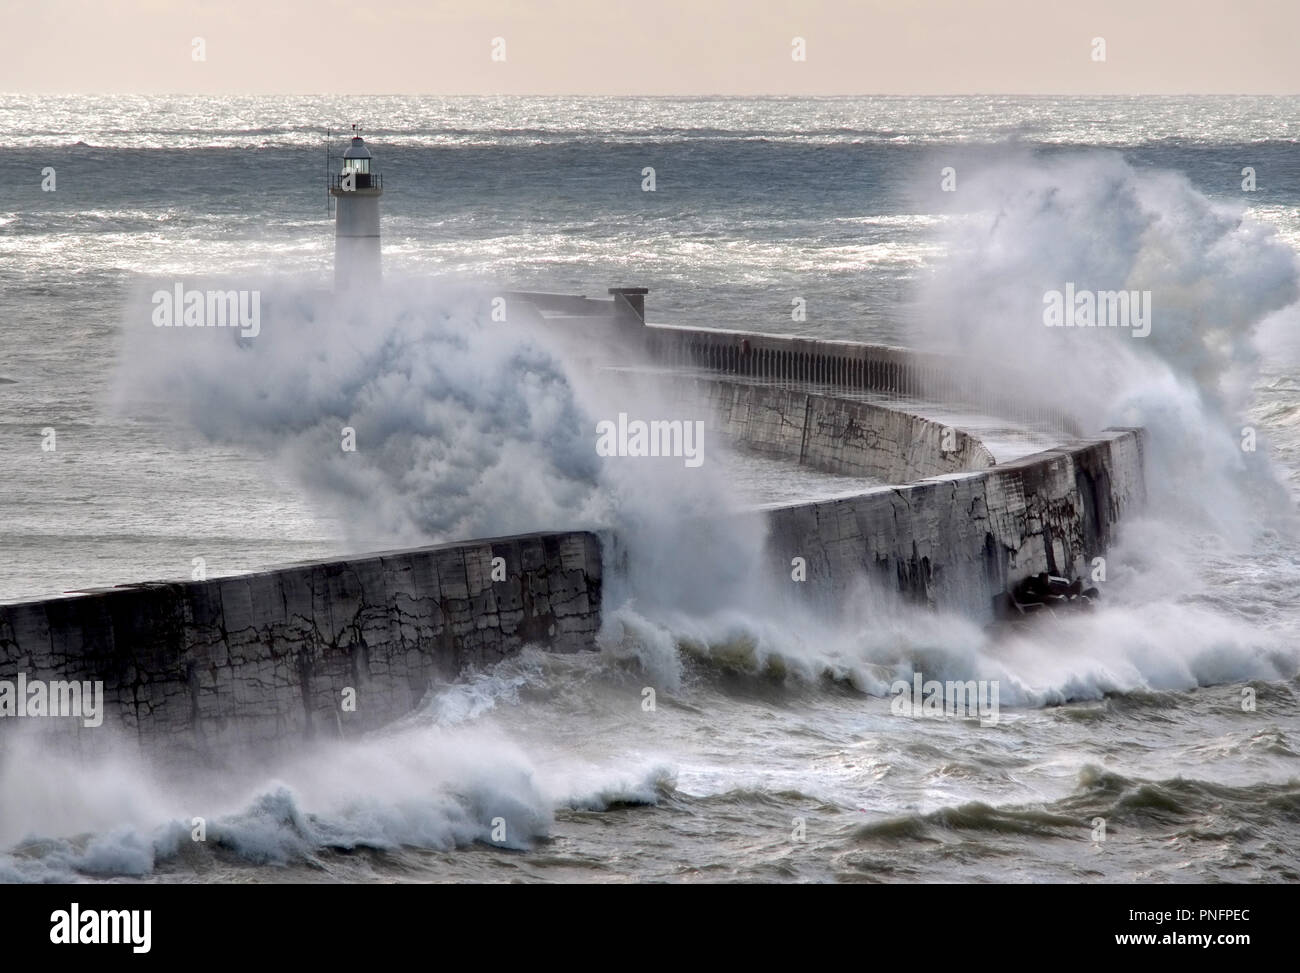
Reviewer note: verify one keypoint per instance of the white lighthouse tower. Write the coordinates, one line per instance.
(356, 190)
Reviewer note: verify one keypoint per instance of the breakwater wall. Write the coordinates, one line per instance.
(959, 541)
(615, 329)
(322, 649)
(834, 435)
(264, 661)
(890, 372)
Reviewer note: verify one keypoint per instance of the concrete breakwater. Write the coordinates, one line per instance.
(832, 434)
(989, 387)
(264, 661)
(330, 649)
(959, 541)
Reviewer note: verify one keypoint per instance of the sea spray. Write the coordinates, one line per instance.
(1029, 222)
(415, 416)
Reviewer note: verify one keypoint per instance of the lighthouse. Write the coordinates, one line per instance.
(356, 190)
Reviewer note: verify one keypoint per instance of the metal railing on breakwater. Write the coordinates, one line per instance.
(890, 374)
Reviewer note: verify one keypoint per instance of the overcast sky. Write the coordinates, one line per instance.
(651, 47)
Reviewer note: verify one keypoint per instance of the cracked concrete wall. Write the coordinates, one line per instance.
(958, 541)
(835, 435)
(260, 662)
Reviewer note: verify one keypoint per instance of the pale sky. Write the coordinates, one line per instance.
(652, 47)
